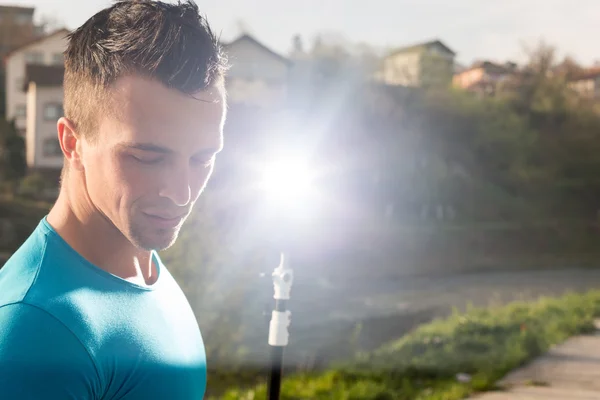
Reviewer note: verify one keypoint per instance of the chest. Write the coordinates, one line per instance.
(153, 351)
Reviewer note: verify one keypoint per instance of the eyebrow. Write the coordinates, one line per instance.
(164, 150)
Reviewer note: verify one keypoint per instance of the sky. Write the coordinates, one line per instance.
(474, 29)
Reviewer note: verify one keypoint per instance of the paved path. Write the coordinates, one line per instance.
(570, 371)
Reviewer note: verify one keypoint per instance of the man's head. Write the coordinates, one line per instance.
(144, 110)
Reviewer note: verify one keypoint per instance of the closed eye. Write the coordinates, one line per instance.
(147, 160)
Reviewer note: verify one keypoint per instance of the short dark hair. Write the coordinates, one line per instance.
(171, 43)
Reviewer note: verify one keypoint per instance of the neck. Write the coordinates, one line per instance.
(95, 237)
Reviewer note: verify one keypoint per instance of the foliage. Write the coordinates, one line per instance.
(24, 216)
(487, 139)
(12, 152)
(33, 185)
(483, 343)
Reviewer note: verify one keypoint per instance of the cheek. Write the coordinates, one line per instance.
(130, 182)
(103, 180)
(98, 172)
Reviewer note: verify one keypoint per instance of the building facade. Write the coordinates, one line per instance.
(258, 76)
(587, 84)
(484, 77)
(43, 85)
(17, 28)
(421, 65)
(47, 50)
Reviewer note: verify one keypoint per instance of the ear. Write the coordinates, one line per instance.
(70, 143)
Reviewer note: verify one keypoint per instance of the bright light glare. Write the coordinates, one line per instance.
(287, 182)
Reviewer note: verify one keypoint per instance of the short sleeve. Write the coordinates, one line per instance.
(40, 358)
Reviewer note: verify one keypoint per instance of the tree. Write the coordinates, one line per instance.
(12, 152)
(568, 130)
(569, 68)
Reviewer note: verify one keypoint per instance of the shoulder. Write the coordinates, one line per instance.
(32, 327)
(19, 273)
(38, 352)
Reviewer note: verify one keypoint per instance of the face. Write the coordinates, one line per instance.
(154, 156)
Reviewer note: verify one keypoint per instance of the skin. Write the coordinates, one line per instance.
(154, 157)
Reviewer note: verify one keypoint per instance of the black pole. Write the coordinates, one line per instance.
(276, 368)
(274, 385)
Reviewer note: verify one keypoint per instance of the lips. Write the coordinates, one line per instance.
(165, 222)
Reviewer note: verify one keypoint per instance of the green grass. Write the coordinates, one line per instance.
(484, 343)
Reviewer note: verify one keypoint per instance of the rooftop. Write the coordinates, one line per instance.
(491, 67)
(62, 31)
(10, 9)
(424, 45)
(589, 73)
(257, 43)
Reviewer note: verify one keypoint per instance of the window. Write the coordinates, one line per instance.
(23, 18)
(20, 82)
(34, 57)
(21, 110)
(51, 148)
(53, 111)
(58, 59)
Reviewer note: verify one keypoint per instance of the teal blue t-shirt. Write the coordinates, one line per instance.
(70, 330)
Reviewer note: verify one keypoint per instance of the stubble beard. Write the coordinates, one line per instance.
(153, 239)
(149, 239)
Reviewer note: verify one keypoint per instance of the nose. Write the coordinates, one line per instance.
(176, 186)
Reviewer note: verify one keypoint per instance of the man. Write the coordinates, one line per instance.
(87, 309)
